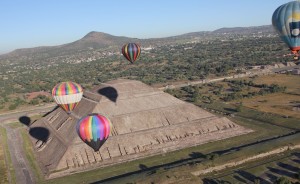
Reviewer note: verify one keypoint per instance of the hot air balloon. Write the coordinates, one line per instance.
(67, 95)
(94, 130)
(131, 51)
(286, 20)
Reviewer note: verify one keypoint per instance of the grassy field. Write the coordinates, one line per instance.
(279, 103)
(284, 104)
(7, 173)
(290, 81)
(4, 168)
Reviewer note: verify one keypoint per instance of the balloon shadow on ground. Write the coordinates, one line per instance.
(25, 120)
(39, 133)
(110, 93)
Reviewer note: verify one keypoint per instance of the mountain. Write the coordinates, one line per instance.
(246, 30)
(93, 40)
(97, 42)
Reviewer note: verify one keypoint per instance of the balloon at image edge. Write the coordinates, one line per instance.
(286, 21)
(131, 51)
(94, 130)
(67, 95)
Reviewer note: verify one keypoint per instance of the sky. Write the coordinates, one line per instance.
(32, 23)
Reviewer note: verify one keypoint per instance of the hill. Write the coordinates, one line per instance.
(95, 43)
(246, 30)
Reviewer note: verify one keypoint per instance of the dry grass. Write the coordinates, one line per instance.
(292, 82)
(3, 167)
(278, 103)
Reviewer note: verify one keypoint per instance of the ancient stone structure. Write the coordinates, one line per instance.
(146, 121)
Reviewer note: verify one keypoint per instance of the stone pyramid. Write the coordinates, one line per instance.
(146, 121)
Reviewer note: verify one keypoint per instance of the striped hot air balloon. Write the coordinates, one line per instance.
(286, 20)
(67, 95)
(94, 130)
(131, 51)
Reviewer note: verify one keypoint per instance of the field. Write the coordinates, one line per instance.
(7, 174)
(256, 93)
(290, 81)
(286, 104)
(3, 165)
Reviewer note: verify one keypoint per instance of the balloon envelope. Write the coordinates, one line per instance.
(67, 95)
(286, 20)
(131, 51)
(94, 130)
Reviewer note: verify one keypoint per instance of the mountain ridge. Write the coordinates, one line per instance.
(99, 40)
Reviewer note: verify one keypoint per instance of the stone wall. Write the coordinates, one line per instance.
(131, 146)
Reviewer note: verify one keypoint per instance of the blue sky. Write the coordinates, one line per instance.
(31, 23)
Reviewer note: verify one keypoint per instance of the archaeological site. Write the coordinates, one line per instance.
(146, 121)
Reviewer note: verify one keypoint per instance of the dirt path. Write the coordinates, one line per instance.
(22, 169)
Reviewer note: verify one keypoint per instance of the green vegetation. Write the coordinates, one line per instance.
(3, 165)
(214, 57)
(211, 97)
(7, 173)
(269, 97)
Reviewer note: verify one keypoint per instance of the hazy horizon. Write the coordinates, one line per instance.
(114, 35)
(34, 24)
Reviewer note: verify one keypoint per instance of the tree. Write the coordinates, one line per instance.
(12, 107)
(239, 107)
(34, 101)
(211, 100)
(196, 95)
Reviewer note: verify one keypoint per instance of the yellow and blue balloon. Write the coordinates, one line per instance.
(286, 20)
